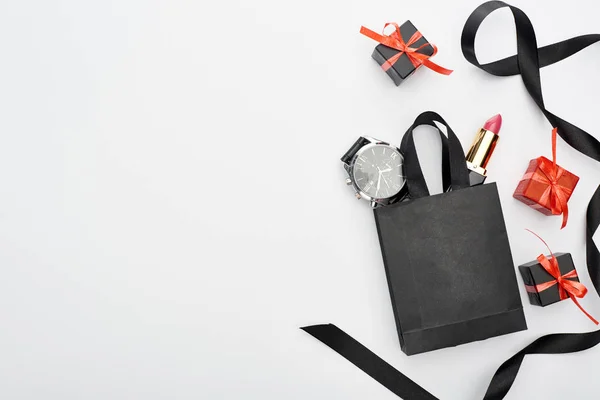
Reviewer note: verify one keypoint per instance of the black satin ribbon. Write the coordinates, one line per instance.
(369, 362)
(527, 63)
(592, 223)
(407, 389)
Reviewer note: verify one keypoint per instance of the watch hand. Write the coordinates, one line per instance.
(379, 180)
(385, 170)
(386, 182)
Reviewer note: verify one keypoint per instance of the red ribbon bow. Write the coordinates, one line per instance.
(566, 287)
(556, 193)
(395, 41)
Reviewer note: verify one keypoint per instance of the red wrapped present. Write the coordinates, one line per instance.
(546, 186)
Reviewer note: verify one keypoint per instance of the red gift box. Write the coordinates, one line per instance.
(546, 186)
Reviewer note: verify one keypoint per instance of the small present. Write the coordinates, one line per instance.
(400, 58)
(553, 278)
(542, 288)
(546, 186)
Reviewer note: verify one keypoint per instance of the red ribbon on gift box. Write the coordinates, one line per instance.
(566, 287)
(556, 195)
(395, 41)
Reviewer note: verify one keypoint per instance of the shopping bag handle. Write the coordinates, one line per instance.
(453, 156)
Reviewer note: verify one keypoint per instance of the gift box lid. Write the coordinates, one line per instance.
(540, 275)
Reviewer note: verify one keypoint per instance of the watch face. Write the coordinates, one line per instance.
(377, 171)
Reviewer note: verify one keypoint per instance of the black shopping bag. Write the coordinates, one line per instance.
(447, 257)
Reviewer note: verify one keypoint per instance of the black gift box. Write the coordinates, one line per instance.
(402, 68)
(447, 258)
(534, 274)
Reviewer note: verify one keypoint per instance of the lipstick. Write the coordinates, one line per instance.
(482, 149)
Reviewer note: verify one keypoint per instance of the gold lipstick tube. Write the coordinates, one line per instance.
(481, 151)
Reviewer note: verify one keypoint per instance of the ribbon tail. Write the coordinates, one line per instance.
(562, 293)
(371, 34)
(582, 310)
(437, 68)
(560, 204)
(371, 364)
(565, 213)
(554, 133)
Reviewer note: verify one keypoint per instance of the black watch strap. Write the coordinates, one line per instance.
(346, 158)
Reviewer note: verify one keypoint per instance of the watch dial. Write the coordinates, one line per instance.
(378, 171)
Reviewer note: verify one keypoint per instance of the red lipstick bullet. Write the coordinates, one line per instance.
(494, 124)
(482, 149)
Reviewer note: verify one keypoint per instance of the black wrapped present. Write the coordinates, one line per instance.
(550, 279)
(542, 288)
(402, 52)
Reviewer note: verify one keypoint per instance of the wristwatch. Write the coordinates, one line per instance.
(375, 171)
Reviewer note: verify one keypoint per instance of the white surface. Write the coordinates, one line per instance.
(173, 205)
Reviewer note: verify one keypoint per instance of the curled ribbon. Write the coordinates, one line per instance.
(566, 287)
(556, 193)
(395, 41)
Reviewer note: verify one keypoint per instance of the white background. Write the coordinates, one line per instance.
(173, 207)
